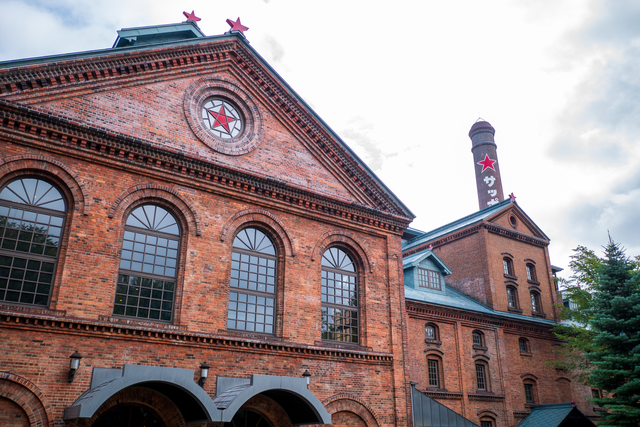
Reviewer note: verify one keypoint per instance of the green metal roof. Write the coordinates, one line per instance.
(555, 415)
(463, 222)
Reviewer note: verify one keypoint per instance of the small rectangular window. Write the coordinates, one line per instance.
(506, 263)
(523, 346)
(528, 393)
(531, 273)
(511, 298)
(485, 424)
(595, 393)
(429, 279)
(433, 373)
(480, 377)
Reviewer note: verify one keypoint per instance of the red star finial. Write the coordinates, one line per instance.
(237, 26)
(191, 16)
(512, 197)
(430, 247)
(221, 119)
(487, 163)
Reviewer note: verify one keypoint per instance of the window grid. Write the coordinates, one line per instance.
(508, 267)
(252, 299)
(485, 423)
(524, 348)
(31, 227)
(531, 273)
(144, 297)
(535, 302)
(148, 265)
(26, 281)
(251, 312)
(429, 279)
(28, 231)
(433, 373)
(477, 338)
(339, 296)
(430, 332)
(528, 393)
(480, 377)
(511, 297)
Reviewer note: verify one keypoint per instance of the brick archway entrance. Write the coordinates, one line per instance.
(128, 415)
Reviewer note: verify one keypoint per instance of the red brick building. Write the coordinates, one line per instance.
(175, 215)
(183, 241)
(481, 302)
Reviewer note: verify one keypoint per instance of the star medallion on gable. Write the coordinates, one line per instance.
(487, 163)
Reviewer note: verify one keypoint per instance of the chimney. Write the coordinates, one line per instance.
(485, 160)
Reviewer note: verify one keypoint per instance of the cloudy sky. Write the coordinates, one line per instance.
(403, 81)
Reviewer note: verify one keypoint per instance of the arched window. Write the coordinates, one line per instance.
(487, 422)
(252, 298)
(431, 332)
(482, 376)
(512, 297)
(148, 265)
(32, 216)
(477, 338)
(339, 294)
(523, 343)
(531, 273)
(507, 264)
(535, 303)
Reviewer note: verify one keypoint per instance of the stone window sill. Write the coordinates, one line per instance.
(434, 342)
(526, 353)
(540, 315)
(508, 276)
(480, 347)
(515, 310)
(533, 282)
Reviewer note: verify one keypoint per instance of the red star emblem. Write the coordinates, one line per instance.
(487, 163)
(222, 119)
(512, 197)
(191, 16)
(237, 26)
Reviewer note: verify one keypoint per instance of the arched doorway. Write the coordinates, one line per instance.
(128, 415)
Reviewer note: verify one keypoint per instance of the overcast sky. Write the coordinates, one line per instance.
(403, 81)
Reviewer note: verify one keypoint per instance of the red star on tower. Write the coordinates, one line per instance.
(191, 16)
(221, 118)
(237, 26)
(487, 163)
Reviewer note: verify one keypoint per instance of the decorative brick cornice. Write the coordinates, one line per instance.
(485, 397)
(19, 122)
(443, 394)
(503, 231)
(444, 240)
(167, 334)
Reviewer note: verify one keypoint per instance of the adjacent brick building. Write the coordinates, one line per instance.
(481, 302)
(183, 241)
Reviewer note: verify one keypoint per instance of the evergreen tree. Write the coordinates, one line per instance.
(602, 335)
(614, 351)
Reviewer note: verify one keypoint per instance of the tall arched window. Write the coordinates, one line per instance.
(252, 299)
(148, 265)
(512, 297)
(536, 307)
(32, 214)
(339, 297)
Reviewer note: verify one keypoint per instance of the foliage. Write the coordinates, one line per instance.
(602, 335)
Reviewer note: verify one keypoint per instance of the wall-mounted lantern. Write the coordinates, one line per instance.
(204, 373)
(74, 364)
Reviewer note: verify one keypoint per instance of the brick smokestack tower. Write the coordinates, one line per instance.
(485, 160)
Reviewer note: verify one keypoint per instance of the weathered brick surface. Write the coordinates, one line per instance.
(12, 415)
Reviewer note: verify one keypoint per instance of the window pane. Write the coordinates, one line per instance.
(480, 378)
(433, 373)
(339, 295)
(528, 393)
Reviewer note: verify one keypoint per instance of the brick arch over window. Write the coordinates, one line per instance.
(349, 403)
(258, 217)
(331, 237)
(157, 192)
(45, 167)
(26, 395)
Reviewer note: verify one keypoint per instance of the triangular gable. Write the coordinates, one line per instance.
(430, 413)
(415, 260)
(32, 81)
(523, 223)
